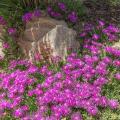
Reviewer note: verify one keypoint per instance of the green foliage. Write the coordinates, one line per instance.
(115, 2)
(76, 5)
(112, 89)
(12, 10)
(21, 67)
(13, 52)
(30, 101)
(8, 117)
(40, 78)
(108, 114)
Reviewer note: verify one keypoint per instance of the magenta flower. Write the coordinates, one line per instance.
(37, 13)
(49, 9)
(62, 6)
(92, 110)
(113, 29)
(101, 23)
(6, 45)
(117, 76)
(25, 108)
(113, 104)
(55, 14)
(104, 101)
(12, 31)
(95, 36)
(113, 51)
(18, 113)
(107, 60)
(116, 63)
(100, 81)
(5, 104)
(72, 17)
(27, 17)
(37, 57)
(76, 116)
(83, 34)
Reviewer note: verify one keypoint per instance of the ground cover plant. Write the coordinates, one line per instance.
(13, 10)
(85, 87)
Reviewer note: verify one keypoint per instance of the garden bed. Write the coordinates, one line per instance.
(84, 86)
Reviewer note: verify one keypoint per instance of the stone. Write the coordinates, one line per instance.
(1, 50)
(117, 45)
(37, 29)
(1, 47)
(49, 38)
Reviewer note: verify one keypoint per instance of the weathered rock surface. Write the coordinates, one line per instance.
(37, 29)
(1, 48)
(117, 45)
(49, 38)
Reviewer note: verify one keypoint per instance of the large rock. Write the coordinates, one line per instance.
(49, 38)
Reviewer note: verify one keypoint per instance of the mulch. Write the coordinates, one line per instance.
(103, 9)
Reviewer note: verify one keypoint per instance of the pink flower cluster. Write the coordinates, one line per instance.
(115, 53)
(62, 12)
(112, 51)
(10, 30)
(30, 15)
(111, 31)
(77, 85)
(95, 37)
